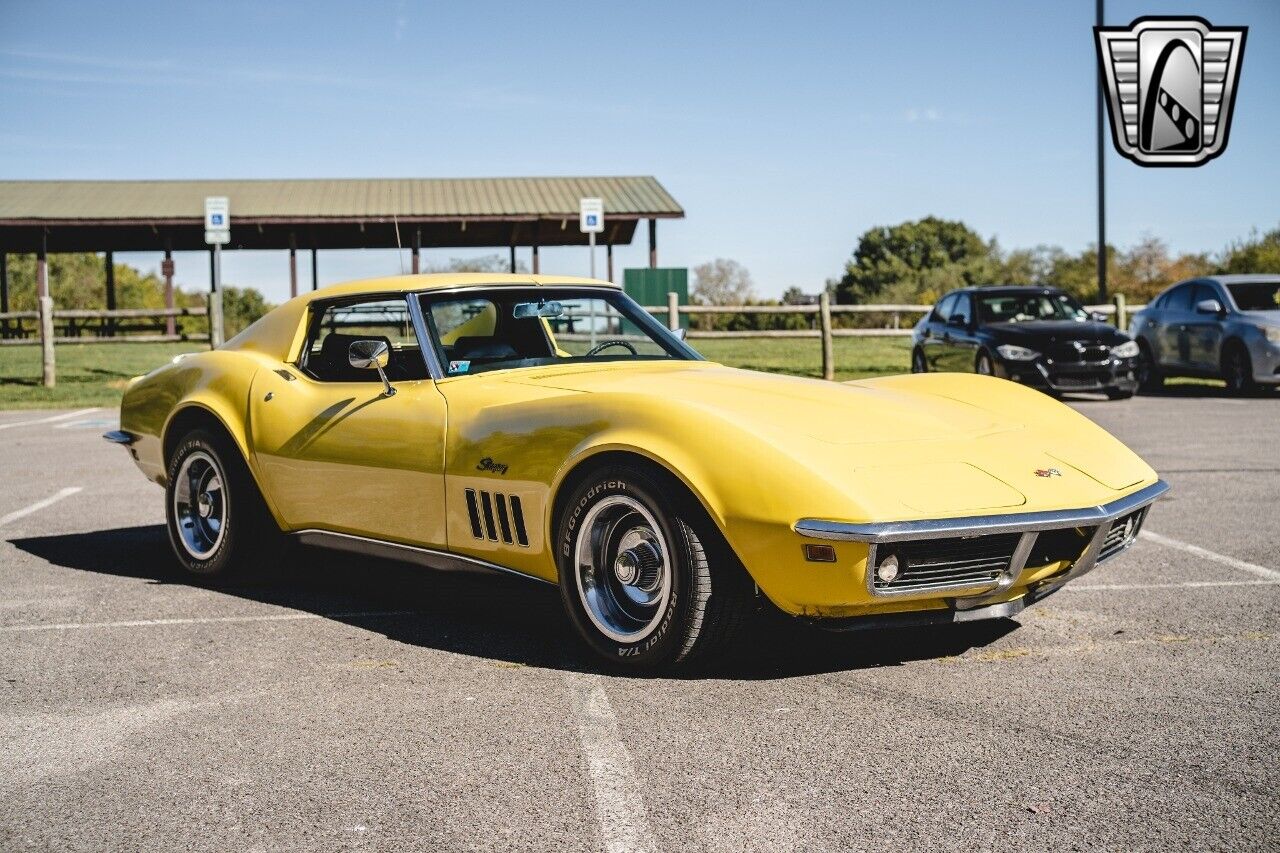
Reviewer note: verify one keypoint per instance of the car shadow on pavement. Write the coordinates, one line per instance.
(497, 617)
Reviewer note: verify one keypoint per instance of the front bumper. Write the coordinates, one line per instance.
(1077, 539)
(1264, 357)
(1066, 376)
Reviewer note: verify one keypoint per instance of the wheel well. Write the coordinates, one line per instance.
(188, 419)
(1233, 343)
(643, 463)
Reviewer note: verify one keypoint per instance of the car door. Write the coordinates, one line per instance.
(960, 338)
(932, 344)
(1174, 335)
(1206, 329)
(334, 451)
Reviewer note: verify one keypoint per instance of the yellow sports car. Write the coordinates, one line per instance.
(551, 427)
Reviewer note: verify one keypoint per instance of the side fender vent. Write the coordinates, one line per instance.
(494, 515)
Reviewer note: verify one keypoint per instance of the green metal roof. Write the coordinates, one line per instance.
(406, 199)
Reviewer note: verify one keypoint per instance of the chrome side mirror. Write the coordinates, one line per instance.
(680, 333)
(372, 355)
(1209, 306)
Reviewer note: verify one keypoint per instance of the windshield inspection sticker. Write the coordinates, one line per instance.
(459, 367)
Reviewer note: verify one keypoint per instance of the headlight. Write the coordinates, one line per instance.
(1128, 349)
(1272, 333)
(1012, 353)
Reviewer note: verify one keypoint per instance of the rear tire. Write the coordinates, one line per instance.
(1150, 377)
(645, 576)
(1237, 369)
(219, 525)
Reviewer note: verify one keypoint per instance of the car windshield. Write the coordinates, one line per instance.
(509, 327)
(1025, 307)
(1256, 295)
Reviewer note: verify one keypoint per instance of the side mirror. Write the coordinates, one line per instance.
(1209, 306)
(680, 333)
(958, 320)
(372, 355)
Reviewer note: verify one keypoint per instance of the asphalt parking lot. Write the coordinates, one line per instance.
(370, 706)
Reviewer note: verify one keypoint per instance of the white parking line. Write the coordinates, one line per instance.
(1206, 554)
(620, 811)
(205, 620)
(1177, 585)
(49, 420)
(38, 505)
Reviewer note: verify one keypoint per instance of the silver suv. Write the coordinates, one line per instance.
(1225, 326)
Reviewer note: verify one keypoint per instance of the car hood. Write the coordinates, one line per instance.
(1056, 331)
(900, 449)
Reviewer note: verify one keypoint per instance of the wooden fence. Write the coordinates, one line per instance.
(1118, 310)
(78, 326)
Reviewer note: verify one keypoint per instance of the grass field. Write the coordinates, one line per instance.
(95, 374)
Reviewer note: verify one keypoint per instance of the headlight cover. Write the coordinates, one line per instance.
(1128, 349)
(1272, 333)
(1015, 353)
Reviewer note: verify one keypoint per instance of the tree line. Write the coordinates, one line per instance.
(916, 262)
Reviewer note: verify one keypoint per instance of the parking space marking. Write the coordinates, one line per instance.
(49, 420)
(39, 505)
(1206, 554)
(206, 620)
(620, 811)
(1176, 585)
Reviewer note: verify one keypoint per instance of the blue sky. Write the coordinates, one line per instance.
(784, 129)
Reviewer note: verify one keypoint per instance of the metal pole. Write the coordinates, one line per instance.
(215, 299)
(591, 241)
(653, 244)
(608, 265)
(536, 266)
(513, 257)
(166, 269)
(315, 274)
(417, 247)
(1102, 186)
(4, 291)
(44, 305)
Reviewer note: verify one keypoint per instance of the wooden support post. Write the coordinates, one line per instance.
(673, 310)
(315, 274)
(828, 350)
(417, 247)
(4, 292)
(44, 308)
(513, 257)
(653, 244)
(166, 270)
(1122, 312)
(293, 265)
(109, 261)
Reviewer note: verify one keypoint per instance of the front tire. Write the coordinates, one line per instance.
(1150, 378)
(983, 365)
(218, 523)
(1237, 369)
(645, 576)
(918, 362)
(1118, 394)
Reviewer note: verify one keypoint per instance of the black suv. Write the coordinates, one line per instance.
(1036, 335)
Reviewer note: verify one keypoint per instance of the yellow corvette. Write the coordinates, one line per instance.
(551, 427)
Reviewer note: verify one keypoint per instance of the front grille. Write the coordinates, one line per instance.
(1077, 382)
(494, 515)
(1121, 535)
(1070, 354)
(940, 563)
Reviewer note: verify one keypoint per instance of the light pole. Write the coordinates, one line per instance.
(1102, 186)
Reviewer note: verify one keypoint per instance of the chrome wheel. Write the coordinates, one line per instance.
(200, 504)
(623, 569)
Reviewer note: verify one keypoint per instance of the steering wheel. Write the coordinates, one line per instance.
(606, 344)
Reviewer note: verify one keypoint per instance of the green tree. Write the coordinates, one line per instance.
(916, 261)
(1257, 254)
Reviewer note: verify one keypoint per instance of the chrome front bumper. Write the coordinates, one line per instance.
(1029, 525)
